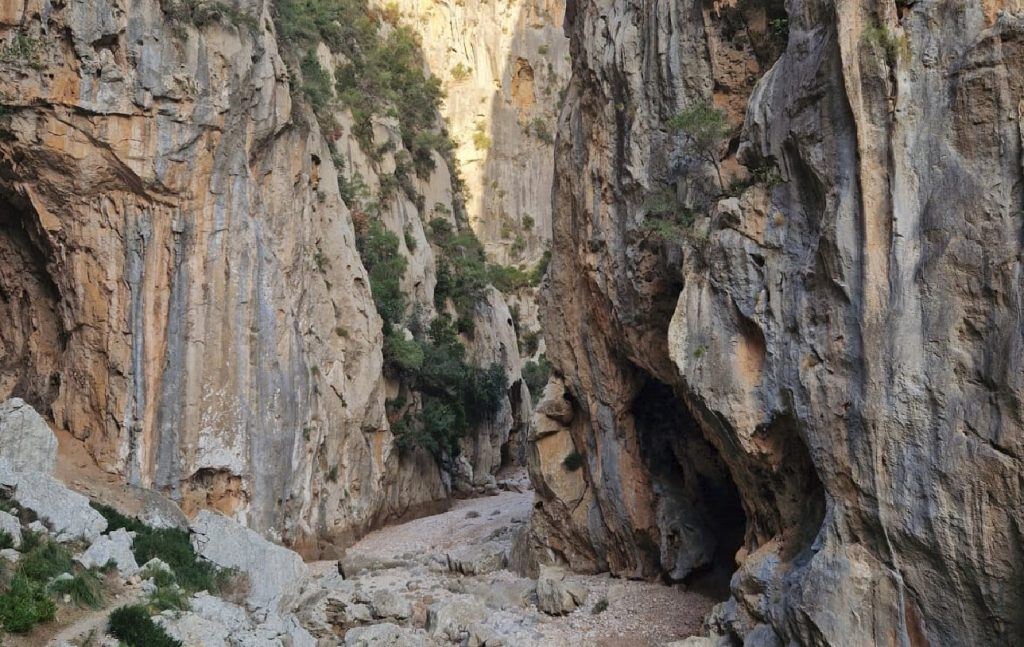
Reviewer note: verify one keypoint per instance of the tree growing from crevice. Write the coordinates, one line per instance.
(705, 130)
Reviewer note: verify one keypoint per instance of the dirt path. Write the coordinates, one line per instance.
(413, 560)
(94, 621)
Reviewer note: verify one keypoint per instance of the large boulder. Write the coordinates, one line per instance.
(478, 559)
(275, 573)
(388, 604)
(454, 619)
(10, 525)
(557, 595)
(26, 441)
(115, 547)
(66, 514)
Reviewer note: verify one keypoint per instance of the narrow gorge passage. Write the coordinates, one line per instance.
(450, 560)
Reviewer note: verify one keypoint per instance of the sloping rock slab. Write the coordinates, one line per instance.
(275, 573)
(67, 514)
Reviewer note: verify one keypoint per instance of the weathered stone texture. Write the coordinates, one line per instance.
(844, 353)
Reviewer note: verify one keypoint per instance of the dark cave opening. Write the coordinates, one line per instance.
(32, 338)
(701, 520)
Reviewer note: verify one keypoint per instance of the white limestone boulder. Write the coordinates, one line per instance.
(275, 573)
(26, 441)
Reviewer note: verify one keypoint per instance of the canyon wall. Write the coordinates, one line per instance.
(794, 366)
(181, 287)
(504, 67)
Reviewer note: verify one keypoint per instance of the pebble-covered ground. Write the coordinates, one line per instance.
(410, 559)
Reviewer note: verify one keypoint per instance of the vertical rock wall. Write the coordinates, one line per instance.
(181, 289)
(834, 343)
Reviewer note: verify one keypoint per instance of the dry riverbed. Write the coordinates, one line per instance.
(439, 580)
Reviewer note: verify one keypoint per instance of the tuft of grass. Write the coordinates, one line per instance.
(24, 605)
(133, 626)
(44, 561)
(168, 597)
(573, 461)
(600, 607)
(6, 540)
(85, 588)
(30, 540)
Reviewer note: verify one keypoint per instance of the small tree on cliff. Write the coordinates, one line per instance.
(705, 129)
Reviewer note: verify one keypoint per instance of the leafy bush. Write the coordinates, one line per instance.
(384, 74)
(133, 625)
(401, 354)
(462, 271)
(6, 540)
(173, 547)
(168, 596)
(379, 250)
(85, 588)
(600, 606)
(536, 374)
(706, 130)
(25, 604)
(573, 461)
(456, 395)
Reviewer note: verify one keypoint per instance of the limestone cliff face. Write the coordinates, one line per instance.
(179, 283)
(817, 384)
(504, 66)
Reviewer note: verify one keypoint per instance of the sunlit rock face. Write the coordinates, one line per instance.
(180, 287)
(813, 380)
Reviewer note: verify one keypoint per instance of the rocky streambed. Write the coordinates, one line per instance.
(443, 580)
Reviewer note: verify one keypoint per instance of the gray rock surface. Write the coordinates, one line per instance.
(557, 595)
(275, 573)
(66, 514)
(12, 526)
(116, 547)
(384, 634)
(454, 619)
(26, 441)
(389, 604)
(831, 349)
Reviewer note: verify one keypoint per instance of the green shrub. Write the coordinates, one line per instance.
(46, 560)
(6, 540)
(462, 271)
(508, 278)
(133, 625)
(23, 49)
(386, 265)
(168, 596)
(541, 268)
(116, 520)
(529, 341)
(536, 374)
(460, 72)
(401, 354)
(85, 588)
(160, 576)
(573, 461)
(706, 130)
(384, 74)
(172, 546)
(317, 88)
(600, 606)
(24, 605)
(30, 539)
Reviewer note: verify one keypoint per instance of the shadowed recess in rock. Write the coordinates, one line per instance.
(700, 519)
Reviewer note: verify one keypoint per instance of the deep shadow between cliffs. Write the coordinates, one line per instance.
(689, 475)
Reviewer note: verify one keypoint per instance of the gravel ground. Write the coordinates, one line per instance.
(409, 559)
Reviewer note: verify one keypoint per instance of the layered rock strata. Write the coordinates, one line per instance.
(813, 378)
